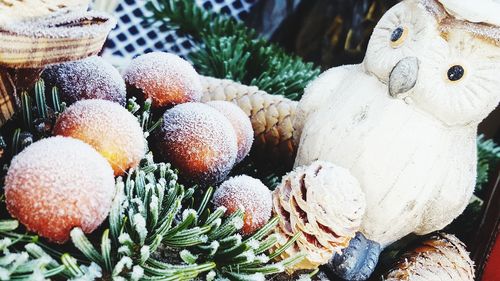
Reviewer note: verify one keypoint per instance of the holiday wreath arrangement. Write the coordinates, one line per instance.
(145, 174)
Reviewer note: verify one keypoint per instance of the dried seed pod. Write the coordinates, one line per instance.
(326, 204)
(442, 257)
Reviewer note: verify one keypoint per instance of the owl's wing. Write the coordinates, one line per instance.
(319, 92)
(453, 195)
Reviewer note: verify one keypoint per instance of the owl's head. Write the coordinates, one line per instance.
(442, 65)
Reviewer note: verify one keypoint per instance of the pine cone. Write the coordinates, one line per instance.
(442, 257)
(7, 102)
(326, 204)
(271, 116)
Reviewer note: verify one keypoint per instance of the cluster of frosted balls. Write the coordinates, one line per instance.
(63, 182)
(57, 184)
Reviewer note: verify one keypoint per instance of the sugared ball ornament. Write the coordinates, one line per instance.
(323, 202)
(199, 141)
(57, 184)
(108, 127)
(249, 195)
(165, 78)
(241, 124)
(90, 78)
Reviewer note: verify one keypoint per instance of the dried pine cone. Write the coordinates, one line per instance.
(271, 115)
(7, 104)
(442, 257)
(326, 204)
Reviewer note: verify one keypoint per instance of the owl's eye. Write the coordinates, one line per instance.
(398, 36)
(456, 73)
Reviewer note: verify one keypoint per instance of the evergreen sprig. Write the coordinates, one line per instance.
(22, 265)
(157, 233)
(488, 157)
(231, 50)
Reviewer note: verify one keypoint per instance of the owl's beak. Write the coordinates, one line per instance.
(403, 76)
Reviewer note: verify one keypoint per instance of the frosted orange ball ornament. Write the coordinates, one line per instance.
(90, 78)
(247, 194)
(241, 125)
(108, 127)
(57, 184)
(199, 141)
(165, 78)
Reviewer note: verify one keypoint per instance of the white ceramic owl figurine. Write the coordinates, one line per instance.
(404, 122)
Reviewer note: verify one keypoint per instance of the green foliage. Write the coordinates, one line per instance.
(157, 233)
(27, 263)
(35, 119)
(488, 157)
(142, 217)
(231, 50)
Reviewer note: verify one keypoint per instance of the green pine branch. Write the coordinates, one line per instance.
(22, 258)
(488, 157)
(157, 233)
(231, 50)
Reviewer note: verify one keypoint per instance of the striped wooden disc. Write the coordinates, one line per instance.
(54, 39)
(21, 10)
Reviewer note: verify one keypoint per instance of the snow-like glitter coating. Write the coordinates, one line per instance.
(90, 78)
(241, 124)
(199, 141)
(248, 194)
(108, 127)
(165, 78)
(57, 184)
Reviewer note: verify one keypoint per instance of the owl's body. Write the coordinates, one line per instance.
(404, 122)
(417, 174)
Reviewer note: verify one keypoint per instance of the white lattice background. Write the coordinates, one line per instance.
(130, 38)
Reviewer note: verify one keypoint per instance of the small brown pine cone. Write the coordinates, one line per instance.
(271, 116)
(442, 257)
